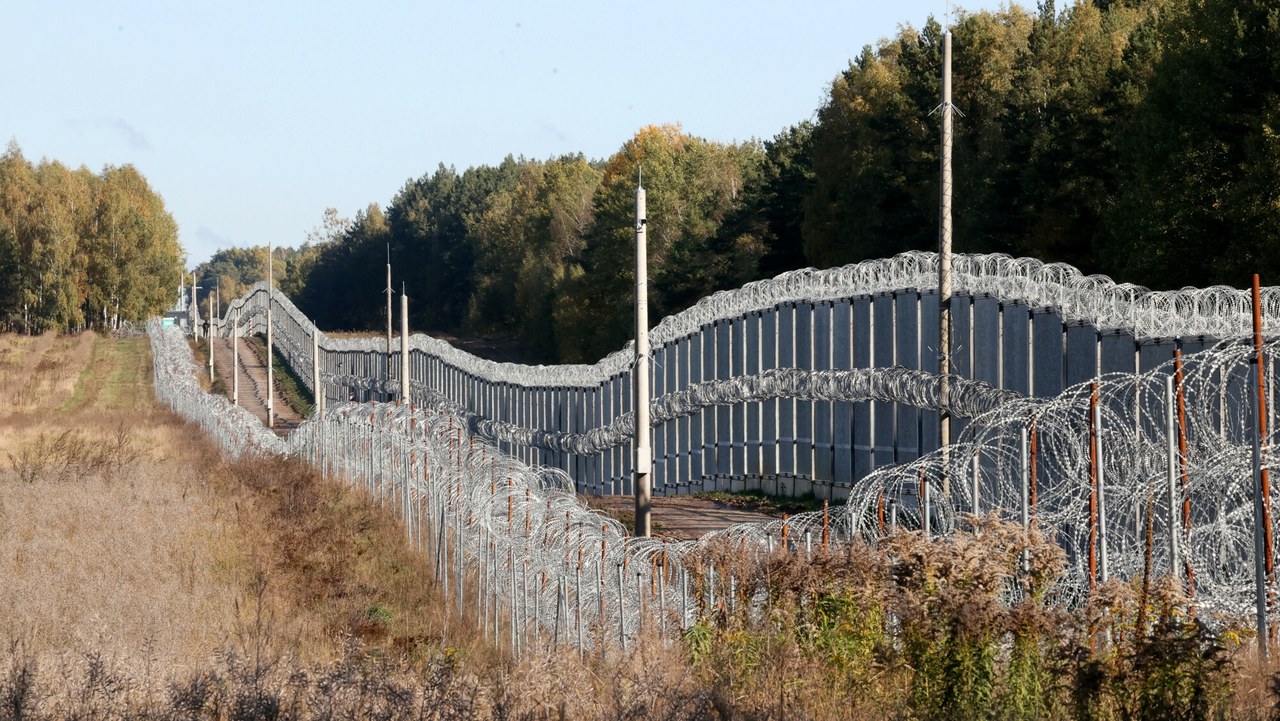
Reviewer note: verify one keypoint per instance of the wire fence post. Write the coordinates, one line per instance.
(622, 616)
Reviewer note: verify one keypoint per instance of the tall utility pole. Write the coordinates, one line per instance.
(640, 372)
(387, 386)
(404, 346)
(271, 296)
(944, 271)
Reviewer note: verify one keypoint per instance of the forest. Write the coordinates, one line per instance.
(82, 249)
(1134, 138)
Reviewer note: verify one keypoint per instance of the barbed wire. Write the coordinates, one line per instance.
(1173, 457)
(520, 543)
(894, 385)
(1216, 312)
(1094, 470)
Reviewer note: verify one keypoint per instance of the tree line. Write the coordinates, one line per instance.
(1135, 138)
(82, 249)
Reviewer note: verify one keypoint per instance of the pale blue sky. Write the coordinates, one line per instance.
(250, 118)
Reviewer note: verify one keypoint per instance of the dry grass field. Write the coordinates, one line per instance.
(132, 551)
(102, 495)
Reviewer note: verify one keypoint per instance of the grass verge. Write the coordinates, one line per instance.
(330, 548)
(117, 376)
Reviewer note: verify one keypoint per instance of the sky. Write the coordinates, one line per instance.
(251, 118)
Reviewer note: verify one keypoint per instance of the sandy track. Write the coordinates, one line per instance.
(253, 383)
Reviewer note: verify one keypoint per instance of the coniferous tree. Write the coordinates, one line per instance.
(1200, 155)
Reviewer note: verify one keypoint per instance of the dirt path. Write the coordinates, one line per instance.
(680, 517)
(253, 383)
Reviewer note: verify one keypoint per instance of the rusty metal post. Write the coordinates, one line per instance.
(1265, 479)
(925, 501)
(1171, 473)
(826, 534)
(1093, 488)
(1263, 568)
(1184, 469)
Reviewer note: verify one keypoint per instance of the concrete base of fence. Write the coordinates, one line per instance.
(787, 485)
